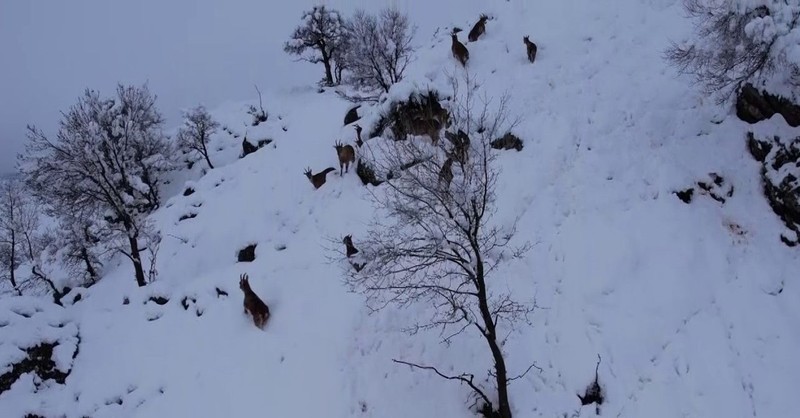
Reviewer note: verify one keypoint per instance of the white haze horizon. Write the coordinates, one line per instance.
(188, 52)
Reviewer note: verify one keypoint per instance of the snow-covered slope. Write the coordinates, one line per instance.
(691, 307)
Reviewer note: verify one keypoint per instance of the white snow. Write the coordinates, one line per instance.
(693, 308)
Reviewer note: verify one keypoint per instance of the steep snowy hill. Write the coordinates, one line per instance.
(691, 307)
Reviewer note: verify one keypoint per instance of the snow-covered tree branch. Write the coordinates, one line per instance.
(379, 48)
(741, 41)
(107, 160)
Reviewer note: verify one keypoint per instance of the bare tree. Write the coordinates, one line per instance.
(437, 243)
(319, 38)
(380, 48)
(23, 241)
(11, 242)
(107, 159)
(78, 246)
(198, 126)
(738, 42)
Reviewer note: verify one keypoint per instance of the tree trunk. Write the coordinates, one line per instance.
(208, 160)
(504, 407)
(57, 295)
(490, 334)
(12, 265)
(136, 257)
(89, 268)
(326, 60)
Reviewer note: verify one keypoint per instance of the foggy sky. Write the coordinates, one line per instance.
(189, 52)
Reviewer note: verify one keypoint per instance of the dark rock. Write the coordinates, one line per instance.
(780, 169)
(352, 115)
(188, 192)
(187, 216)
(247, 148)
(715, 188)
(159, 300)
(753, 106)
(685, 195)
(366, 173)
(220, 292)
(421, 114)
(507, 142)
(39, 361)
(247, 254)
(185, 302)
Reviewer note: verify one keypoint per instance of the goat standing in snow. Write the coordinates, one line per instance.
(318, 179)
(479, 29)
(346, 155)
(531, 47)
(253, 304)
(460, 52)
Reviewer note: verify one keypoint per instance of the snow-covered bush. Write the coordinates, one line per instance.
(379, 48)
(320, 38)
(105, 164)
(741, 41)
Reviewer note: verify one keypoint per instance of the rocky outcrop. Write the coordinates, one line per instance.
(753, 106)
(780, 170)
(351, 115)
(507, 142)
(421, 114)
(35, 341)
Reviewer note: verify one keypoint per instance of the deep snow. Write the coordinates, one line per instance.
(691, 307)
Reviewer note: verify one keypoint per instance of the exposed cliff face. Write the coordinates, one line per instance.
(753, 106)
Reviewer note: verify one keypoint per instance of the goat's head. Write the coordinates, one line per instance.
(307, 172)
(244, 282)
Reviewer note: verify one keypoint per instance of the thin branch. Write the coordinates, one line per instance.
(520, 376)
(464, 377)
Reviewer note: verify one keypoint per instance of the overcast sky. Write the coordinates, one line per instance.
(206, 51)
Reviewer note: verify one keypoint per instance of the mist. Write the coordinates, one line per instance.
(188, 52)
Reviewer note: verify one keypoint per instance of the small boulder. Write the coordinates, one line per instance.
(352, 115)
(507, 142)
(247, 254)
(753, 106)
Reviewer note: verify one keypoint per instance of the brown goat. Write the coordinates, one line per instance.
(318, 179)
(348, 243)
(531, 48)
(359, 142)
(446, 173)
(460, 52)
(351, 251)
(253, 304)
(460, 141)
(479, 29)
(346, 155)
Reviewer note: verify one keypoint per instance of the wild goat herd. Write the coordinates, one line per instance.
(253, 305)
(347, 154)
